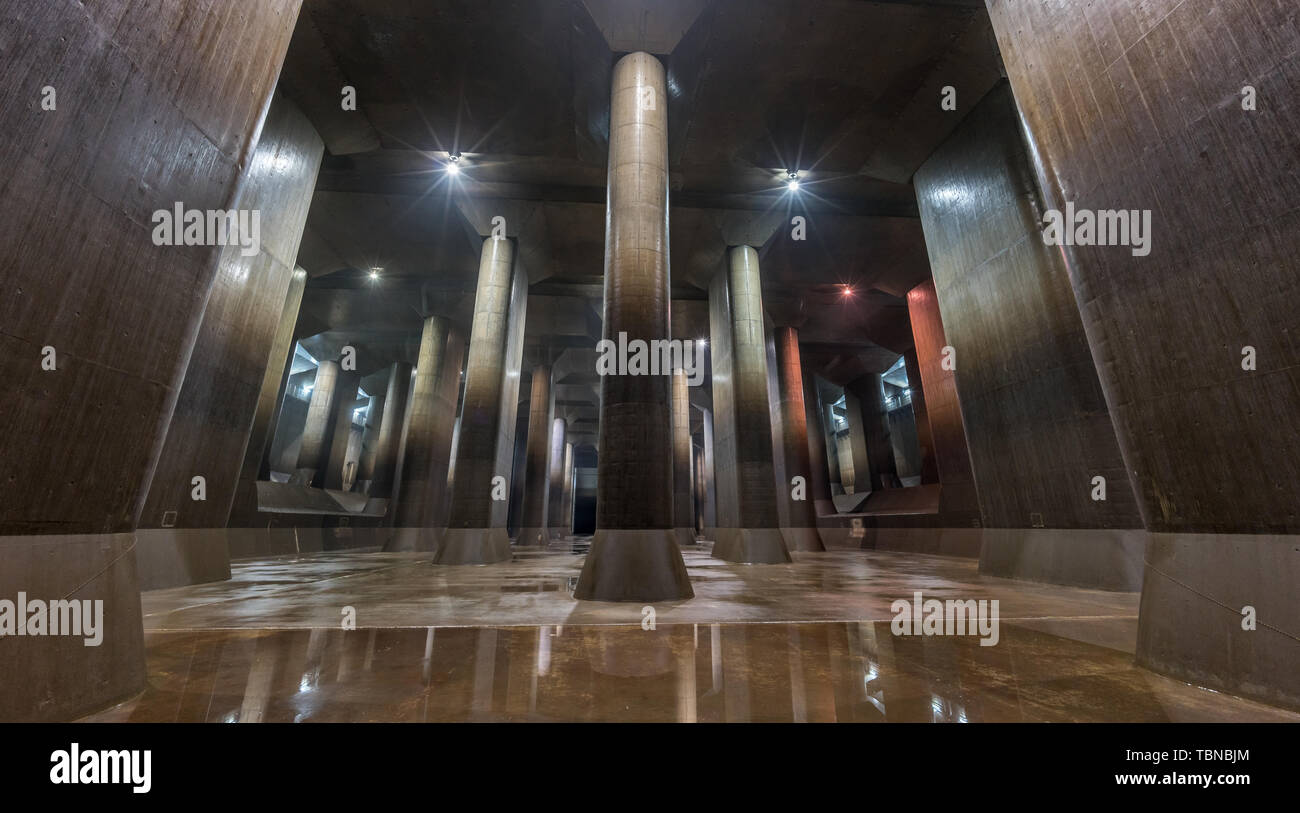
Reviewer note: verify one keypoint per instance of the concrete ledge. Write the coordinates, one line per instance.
(1190, 621)
(172, 557)
(58, 677)
(473, 546)
(1098, 558)
(634, 565)
(751, 546)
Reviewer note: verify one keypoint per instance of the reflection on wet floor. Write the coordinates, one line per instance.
(814, 672)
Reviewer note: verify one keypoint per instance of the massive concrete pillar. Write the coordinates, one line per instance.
(710, 482)
(555, 476)
(634, 556)
(313, 455)
(819, 462)
(370, 437)
(566, 499)
(873, 458)
(391, 427)
(120, 317)
(924, 436)
(422, 494)
(1192, 327)
(683, 516)
(536, 476)
(476, 527)
(749, 533)
(340, 429)
(802, 532)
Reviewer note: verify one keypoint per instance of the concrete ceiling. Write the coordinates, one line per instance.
(846, 91)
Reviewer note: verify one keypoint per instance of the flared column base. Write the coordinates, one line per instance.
(684, 536)
(803, 539)
(751, 546)
(634, 565)
(534, 536)
(473, 546)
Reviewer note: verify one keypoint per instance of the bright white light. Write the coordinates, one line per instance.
(702, 342)
(453, 168)
(792, 185)
(374, 273)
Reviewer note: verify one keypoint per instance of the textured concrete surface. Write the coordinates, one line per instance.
(1035, 418)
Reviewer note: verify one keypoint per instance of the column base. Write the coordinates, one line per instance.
(473, 546)
(684, 536)
(634, 565)
(751, 546)
(412, 539)
(803, 539)
(534, 536)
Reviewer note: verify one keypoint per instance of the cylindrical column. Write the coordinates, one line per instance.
(555, 476)
(536, 477)
(314, 452)
(802, 533)
(476, 529)
(634, 556)
(759, 540)
(566, 499)
(390, 430)
(422, 494)
(370, 439)
(709, 489)
(340, 428)
(683, 518)
(924, 437)
(819, 484)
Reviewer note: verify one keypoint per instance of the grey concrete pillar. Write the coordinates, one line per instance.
(819, 485)
(314, 453)
(391, 426)
(476, 527)
(532, 527)
(802, 531)
(924, 437)
(683, 516)
(634, 556)
(340, 428)
(422, 494)
(755, 537)
(566, 499)
(709, 489)
(555, 476)
(370, 439)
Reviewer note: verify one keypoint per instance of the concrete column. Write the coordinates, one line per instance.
(755, 537)
(566, 499)
(802, 533)
(924, 437)
(314, 453)
(698, 485)
(370, 439)
(709, 489)
(422, 494)
(555, 476)
(683, 516)
(872, 455)
(391, 426)
(476, 527)
(340, 428)
(634, 556)
(256, 465)
(819, 485)
(532, 527)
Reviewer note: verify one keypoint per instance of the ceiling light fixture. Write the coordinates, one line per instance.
(453, 164)
(374, 273)
(792, 182)
(848, 291)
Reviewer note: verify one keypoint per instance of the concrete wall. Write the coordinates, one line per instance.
(1140, 107)
(156, 103)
